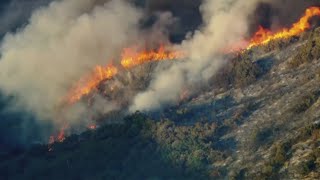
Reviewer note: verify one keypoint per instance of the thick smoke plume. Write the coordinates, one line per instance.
(60, 44)
(67, 38)
(225, 22)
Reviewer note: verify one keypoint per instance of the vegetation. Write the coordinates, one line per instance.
(305, 102)
(308, 52)
(240, 71)
(258, 138)
(279, 44)
(138, 148)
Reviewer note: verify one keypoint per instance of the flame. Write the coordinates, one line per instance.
(89, 83)
(130, 58)
(59, 138)
(264, 36)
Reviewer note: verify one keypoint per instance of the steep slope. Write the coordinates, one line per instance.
(258, 119)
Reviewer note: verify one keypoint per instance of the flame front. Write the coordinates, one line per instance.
(264, 36)
(130, 58)
(89, 83)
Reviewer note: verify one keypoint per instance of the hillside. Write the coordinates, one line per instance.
(258, 119)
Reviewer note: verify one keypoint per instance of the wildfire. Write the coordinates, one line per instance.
(130, 58)
(264, 36)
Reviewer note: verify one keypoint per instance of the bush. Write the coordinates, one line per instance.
(315, 52)
(303, 56)
(308, 52)
(259, 137)
(278, 155)
(279, 44)
(306, 166)
(245, 71)
(305, 102)
(239, 71)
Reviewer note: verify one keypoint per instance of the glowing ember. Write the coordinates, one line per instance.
(264, 36)
(92, 127)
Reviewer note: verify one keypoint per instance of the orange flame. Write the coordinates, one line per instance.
(130, 58)
(60, 137)
(264, 36)
(87, 84)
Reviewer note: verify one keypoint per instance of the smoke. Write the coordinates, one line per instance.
(275, 14)
(286, 12)
(62, 42)
(225, 22)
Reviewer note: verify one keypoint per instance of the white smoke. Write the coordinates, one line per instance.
(61, 43)
(225, 22)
